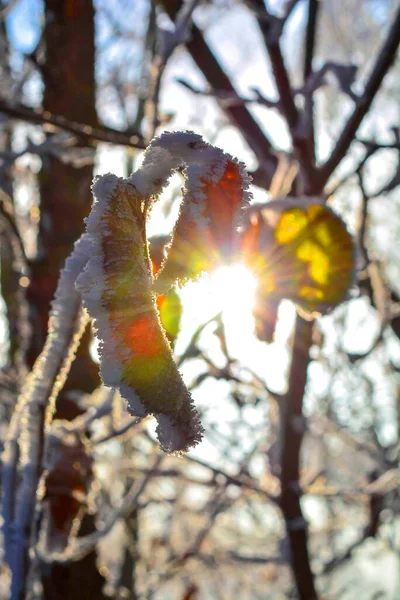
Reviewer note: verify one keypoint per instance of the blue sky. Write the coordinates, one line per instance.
(23, 24)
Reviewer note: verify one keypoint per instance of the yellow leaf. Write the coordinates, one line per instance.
(300, 250)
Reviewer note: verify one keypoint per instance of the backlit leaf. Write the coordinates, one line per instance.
(299, 250)
(170, 310)
(206, 231)
(116, 288)
(169, 305)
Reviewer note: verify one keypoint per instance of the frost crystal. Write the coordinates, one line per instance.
(116, 282)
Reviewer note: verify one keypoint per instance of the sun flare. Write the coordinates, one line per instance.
(233, 288)
(229, 290)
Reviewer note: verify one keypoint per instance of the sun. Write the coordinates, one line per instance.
(229, 290)
(232, 289)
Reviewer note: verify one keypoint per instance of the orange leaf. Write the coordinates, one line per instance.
(204, 238)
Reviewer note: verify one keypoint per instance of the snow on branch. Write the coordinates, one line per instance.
(23, 452)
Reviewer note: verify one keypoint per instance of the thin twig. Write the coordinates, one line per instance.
(238, 481)
(334, 188)
(294, 118)
(171, 41)
(81, 546)
(313, 6)
(383, 63)
(293, 428)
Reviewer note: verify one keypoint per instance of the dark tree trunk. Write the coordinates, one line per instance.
(65, 199)
(293, 428)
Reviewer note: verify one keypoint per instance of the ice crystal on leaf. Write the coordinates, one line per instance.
(119, 290)
(297, 248)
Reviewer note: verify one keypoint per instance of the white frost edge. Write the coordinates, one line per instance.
(169, 152)
(90, 284)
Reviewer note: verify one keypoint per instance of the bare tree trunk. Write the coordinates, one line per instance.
(65, 199)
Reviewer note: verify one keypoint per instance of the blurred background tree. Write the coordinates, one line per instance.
(294, 491)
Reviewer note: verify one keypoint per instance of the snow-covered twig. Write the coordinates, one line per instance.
(22, 458)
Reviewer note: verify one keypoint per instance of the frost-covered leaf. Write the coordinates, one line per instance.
(116, 288)
(299, 250)
(137, 316)
(214, 197)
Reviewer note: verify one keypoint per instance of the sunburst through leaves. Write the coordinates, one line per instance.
(129, 296)
(297, 249)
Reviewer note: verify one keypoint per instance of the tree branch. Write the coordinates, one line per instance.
(239, 115)
(171, 41)
(293, 426)
(271, 30)
(383, 63)
(83, 132)
(313, 6)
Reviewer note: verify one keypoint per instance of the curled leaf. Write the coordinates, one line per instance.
(136, 316)
(116, 288)
(214, 197)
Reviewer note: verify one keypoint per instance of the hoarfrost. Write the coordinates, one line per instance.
(117, 286)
